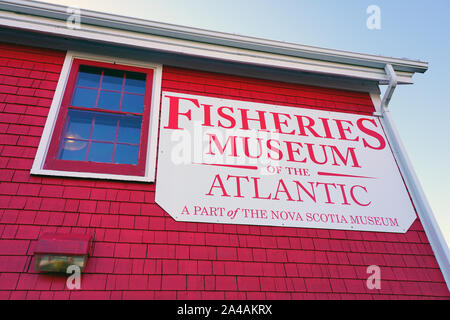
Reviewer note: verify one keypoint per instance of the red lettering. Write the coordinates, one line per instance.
(302, 126)
(261, 120)
(278, 123)
(343, 130)
(352, 194)
(284, 190)
(326, 127)
(238, 184)
(226, 117)
(327, 190)
(274, 149)
(344, 197)
(350, 152)
(255, 183)
(313, 156)
(220, 186)
(231, 140)
(246, 149)
(207, 115)
(292, 151)
(376, 135)
(311, 194)
(174, 111)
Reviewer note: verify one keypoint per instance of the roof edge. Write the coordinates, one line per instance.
(113, 21)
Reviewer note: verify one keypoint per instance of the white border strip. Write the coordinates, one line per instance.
(150, 167)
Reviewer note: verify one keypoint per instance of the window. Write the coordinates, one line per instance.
(102, 124)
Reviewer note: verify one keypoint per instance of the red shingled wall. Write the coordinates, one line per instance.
(141, 252)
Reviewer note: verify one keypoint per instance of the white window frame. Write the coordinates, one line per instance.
(150, 165)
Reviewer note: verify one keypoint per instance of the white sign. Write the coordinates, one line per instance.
(238, 162)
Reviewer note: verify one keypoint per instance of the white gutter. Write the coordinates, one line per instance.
(114, 29)
(393, 81)
(424, 211)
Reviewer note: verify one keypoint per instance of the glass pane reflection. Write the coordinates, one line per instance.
(126, 154)
(105, 128)
(130, 130)
(89, 77)
(101, 152)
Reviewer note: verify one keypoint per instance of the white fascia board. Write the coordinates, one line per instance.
(131, 32)
(213, 37)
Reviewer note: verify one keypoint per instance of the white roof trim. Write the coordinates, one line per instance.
(132, 32)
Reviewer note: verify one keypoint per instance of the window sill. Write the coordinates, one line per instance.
(89, 175)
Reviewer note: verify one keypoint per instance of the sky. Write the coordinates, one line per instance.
(418, 30)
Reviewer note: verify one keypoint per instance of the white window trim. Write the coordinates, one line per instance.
(150, 166)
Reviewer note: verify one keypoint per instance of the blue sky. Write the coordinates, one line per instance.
(413, 29)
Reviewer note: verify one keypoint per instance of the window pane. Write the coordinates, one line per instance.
(109, 100)
(79, 124)
(130, 130)
(89, 77)
(84, 98)
(112, 79)
(73, 150)
(104, 118)
(126, 154)
(133, 103)
(100, 152)
(135, 82)
(104, 128)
